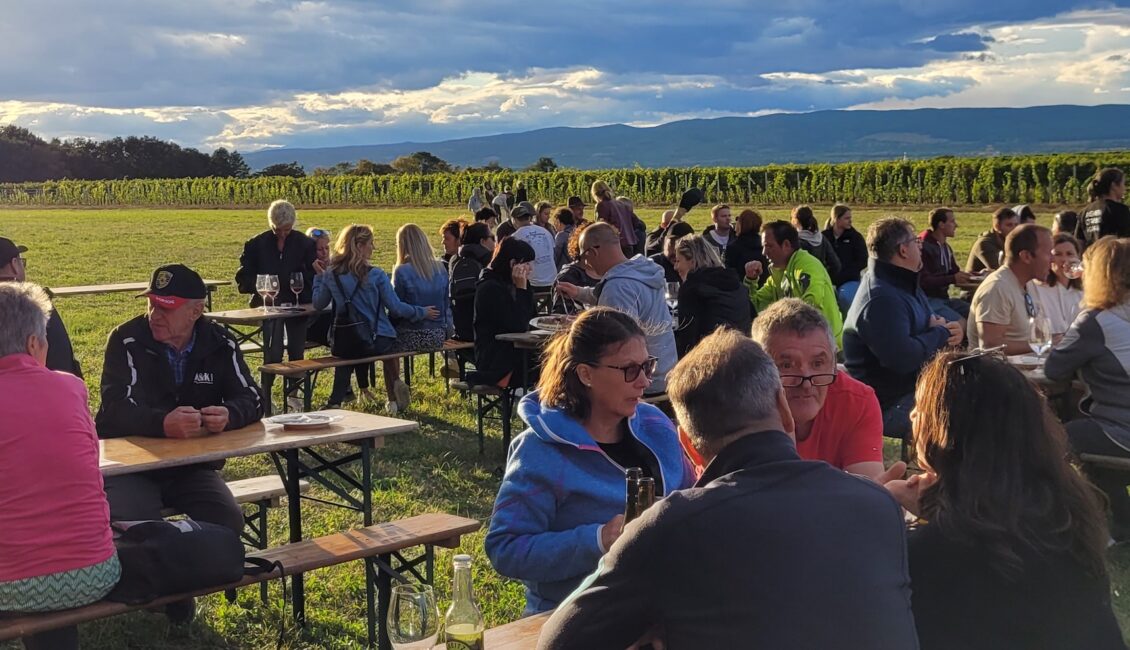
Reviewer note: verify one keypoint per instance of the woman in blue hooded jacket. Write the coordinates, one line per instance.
(561, 503)
(351, 277)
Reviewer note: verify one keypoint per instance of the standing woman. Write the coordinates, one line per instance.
(475, 203)
(352, 277)
(420, 279)
(617, 214)
(504, 304)
(561, 503)
(1106, 214)
(1012, 549)
(851, 249)
(710, 296)
(812, 241)
(1058, 295)
(279, 251)
(1097, 348)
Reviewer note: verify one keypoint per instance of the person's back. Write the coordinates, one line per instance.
(544, 268)
(638, 287)
(711, 297)
(414, 289)
(463, 275)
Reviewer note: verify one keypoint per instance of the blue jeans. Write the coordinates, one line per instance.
(845, 293)
(896, 418)
(951, 310)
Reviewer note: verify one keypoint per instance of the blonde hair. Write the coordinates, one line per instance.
(601, 191)
(702, 255)
(281, 213)
(347, 257)
(412, 248)
(1106, 273)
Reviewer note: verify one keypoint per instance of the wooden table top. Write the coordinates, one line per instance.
(94, 289)
(256, 315)
(139, 453)
(525, 339)
(522, 634)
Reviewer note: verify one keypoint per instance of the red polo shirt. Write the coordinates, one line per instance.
(849, 427)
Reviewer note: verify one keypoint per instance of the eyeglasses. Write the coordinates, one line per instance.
(632, 370)
(795, 381)
(1029, 306)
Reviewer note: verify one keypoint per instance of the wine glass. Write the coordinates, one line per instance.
(413, 618)
(672, 295)
(272, 287)
(1073, 269)
(297, 283)
(1039, 334)
(261, 284)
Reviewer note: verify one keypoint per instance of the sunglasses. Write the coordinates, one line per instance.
(318, 232)
(632, 370)
(1029, 306)
(795, 381)
(962, 361)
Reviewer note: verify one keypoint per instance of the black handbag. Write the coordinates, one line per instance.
(162, 558)
(352, 335)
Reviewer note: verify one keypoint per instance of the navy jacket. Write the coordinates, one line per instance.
(766, 551)
(887, 334)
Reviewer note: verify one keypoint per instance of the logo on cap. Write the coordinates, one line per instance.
(163, 279)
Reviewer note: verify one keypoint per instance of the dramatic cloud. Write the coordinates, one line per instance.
(264, 73)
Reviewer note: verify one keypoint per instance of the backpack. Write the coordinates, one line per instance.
(461, 281)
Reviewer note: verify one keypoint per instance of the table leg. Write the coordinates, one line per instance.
(374, 577)
(294, 510)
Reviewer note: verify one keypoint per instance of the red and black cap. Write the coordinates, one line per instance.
(172, 285)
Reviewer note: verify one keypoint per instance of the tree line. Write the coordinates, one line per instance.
(1053, 179)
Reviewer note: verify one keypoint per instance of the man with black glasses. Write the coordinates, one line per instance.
(891, 331)
(1003, 303)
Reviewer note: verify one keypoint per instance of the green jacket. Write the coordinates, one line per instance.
(805, 278)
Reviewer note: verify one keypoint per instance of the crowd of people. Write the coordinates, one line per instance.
(781, 360)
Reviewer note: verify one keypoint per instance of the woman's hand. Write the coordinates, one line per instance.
(909, 492)
(431, 313)
(611, 531)
(520, 275)
(319, 267)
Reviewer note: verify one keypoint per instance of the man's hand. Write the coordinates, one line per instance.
(961, 277)
(955, 334)
(568, 290)
(184, 422)
(753, 269)
(611, 531)
(896, 471)
(937, 321)
(215, 418)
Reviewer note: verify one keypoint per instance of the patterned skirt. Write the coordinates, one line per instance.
(429, 340)
(62, 590)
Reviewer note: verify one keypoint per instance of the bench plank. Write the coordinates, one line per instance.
(303, 366)
(298, 557)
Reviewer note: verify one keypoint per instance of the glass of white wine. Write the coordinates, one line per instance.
(1073, 269)
(1039, 334)
(413, 618)
(261, 284)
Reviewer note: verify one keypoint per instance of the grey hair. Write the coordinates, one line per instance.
(791, 315)
(695, 248)
(886, 235)
(281, 213)
(722, 386)
(24, 311)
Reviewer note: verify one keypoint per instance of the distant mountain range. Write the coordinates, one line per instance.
(824, 136)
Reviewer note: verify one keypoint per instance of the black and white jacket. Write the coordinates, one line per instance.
(138, 388)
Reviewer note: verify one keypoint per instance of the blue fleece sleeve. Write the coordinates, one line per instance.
(391, 302)
(520, 542)
(886, 328)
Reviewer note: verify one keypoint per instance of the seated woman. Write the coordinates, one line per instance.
(420, 279)
(504, 304)
(56, 551)
(577, 272)
(812, 241)
(711, 295)
(318, 329)
(561, 503)
(1059, 296)
(351, 277)
(1095, 347)
(1011, 553)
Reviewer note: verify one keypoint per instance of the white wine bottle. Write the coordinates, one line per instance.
(463, 625)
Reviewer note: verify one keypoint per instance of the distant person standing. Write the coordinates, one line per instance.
(280, 251)
(720, 233)
(60, 353)
(501, 204)
(1106, 214)
(616, 214)
(475, 203)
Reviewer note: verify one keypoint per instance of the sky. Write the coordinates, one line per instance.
(255, 74)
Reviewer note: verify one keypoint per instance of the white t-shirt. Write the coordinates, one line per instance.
(545, 269)
(1000, 301)
(1059, 303)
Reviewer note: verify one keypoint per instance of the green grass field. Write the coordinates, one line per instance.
(436, 468)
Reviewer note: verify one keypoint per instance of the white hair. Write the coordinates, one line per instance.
(281, 213)
(24, 311)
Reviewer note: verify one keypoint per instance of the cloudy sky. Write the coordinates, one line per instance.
(252, 74)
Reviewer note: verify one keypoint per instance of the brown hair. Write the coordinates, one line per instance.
(1064, 238)
(593, 334)
(1104, 178)
(804, 219)
(1003, 214)
(1025, 237)
(838, 210)
(1004, 483)
(749, 221)
(574, 245)
(453, 226)
(1106, 273)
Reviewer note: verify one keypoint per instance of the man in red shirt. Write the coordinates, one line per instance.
(837, 418)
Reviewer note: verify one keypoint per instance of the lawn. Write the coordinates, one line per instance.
(436, 468)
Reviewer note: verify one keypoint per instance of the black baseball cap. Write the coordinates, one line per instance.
(576, 202)
(9, 251)
(172, 285)
(679, 229)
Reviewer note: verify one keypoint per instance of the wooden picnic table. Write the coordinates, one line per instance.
(522, 634)
(254, 317)
(293, 456)
(122, 287)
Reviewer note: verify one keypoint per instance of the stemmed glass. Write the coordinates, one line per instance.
(261, 287)
(1039, 334)
(297, 283)
(672, 295)
(413, 618)
(1073, 270)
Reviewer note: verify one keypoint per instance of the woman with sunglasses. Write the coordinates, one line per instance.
(318, 329)
(561, 503)
(1011, 549)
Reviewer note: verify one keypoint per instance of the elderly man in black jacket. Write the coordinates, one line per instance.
(765, 551)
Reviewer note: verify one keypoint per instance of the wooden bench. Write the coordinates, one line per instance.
(375, 544)
(490, 399)
(307, 369)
